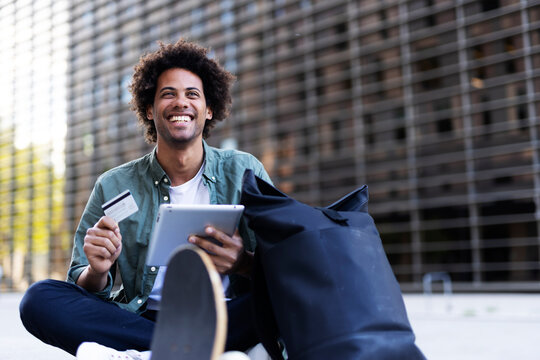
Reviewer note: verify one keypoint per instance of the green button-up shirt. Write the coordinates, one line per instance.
(149, 185)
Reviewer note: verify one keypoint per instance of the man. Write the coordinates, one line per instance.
(178, 95)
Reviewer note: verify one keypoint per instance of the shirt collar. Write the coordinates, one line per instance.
(211, 161)
(159, 175)
(156, 171)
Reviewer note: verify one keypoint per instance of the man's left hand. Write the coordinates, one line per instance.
(227, 252)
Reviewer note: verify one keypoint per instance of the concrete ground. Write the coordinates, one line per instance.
(476, 326)
(464, 326)
(15, 342)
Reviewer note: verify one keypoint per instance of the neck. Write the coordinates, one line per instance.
(180, 164)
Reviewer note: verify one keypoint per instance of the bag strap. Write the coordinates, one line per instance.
(334, 215)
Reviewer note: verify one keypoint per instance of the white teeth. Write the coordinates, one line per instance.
(183, 118)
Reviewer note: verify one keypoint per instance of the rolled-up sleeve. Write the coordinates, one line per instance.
(91, 214)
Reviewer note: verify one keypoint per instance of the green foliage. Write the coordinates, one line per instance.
(31, 199)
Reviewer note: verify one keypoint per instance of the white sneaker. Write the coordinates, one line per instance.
(234, 355)
(258, 352)
(95, 351)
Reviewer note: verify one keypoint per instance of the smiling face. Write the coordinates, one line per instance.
(179, 111)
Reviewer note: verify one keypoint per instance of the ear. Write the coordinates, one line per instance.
(209, 113)
(149, 112)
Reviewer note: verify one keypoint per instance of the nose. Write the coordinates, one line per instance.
(182, 102)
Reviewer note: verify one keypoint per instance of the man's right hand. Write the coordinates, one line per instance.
(102, 246)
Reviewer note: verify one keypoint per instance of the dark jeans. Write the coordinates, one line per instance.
(65, 315)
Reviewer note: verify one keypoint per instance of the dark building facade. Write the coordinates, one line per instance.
(432, 103)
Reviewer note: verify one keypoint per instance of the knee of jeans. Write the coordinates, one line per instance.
(34, 301)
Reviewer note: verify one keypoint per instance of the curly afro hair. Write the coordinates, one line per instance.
(186, 55)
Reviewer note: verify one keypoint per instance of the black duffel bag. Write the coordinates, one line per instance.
(322, 283)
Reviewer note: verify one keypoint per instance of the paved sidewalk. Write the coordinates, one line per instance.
(476, 326)
(466, 326)
(15, 342)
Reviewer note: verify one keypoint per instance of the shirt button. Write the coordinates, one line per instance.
(153, 268)
(139, 301)
(165, 198)
(156, 182)
(166, 180)
(213, 178)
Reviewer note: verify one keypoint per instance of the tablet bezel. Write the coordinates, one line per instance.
(176, 222)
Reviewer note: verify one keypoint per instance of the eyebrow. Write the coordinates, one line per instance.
(174, 89)
(167, 88)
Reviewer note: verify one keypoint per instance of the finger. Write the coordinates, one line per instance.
(107, 222)
(102, 242)
(118, 251)
(102, 233)
(112, 234)
(221, 265)
(207, 245)
(93, 251)
(226, 240)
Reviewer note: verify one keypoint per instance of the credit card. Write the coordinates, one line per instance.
(120, 207)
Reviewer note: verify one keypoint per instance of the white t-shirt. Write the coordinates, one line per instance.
(192, 192)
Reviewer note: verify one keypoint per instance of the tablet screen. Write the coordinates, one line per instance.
(175, 223)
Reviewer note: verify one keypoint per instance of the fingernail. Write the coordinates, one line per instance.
(191, 239)
(209, 230)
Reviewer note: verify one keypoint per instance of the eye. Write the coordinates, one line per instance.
(192, 93)
(167, 94)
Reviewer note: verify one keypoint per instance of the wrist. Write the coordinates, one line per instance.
(97, 279)
(92, 280)
(91, 272)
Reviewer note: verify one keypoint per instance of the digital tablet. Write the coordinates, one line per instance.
(175, 223)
